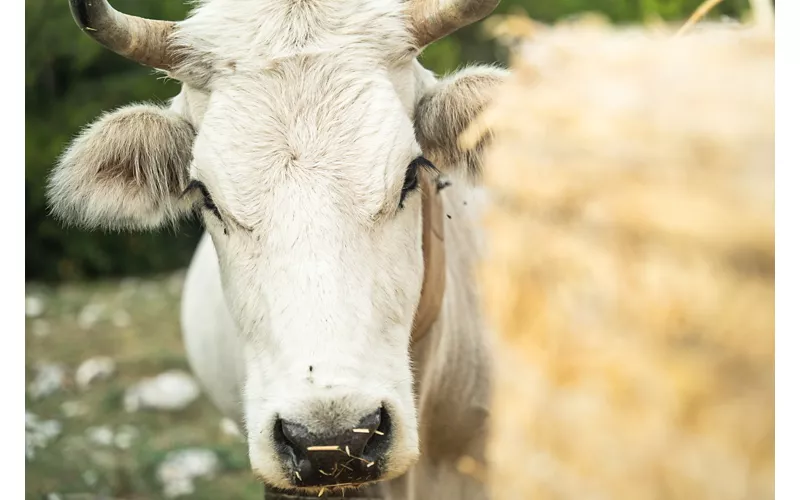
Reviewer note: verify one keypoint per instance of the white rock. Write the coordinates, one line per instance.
(39, 433)
(49, 378)
(180, 468)
(72, 409)
(98, 368)
(53, 496)
(171, 391)
(229, 428)
(40, 328)
(121, 319)
(50, 428)
(102, 435)
(90, 477)
(90, 315)
(31, 443)
(34, 306)
(178, 487)
(126, 435)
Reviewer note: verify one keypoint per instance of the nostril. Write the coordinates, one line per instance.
(378, 443)
(293, 438)
(356, 440)
(295, 434)
(282, 443)
(372, 421)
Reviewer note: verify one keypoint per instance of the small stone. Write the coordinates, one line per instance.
(90, 315)
(180, 468)
(30, 448)
(126, 435)
(53, 496)
(40, 328)
(102, 436)
(97, 368)
(39, 433)
(121, 319)
(90, 477)
(72, 409)
(173, 390)
(178, 487)
(229, 428)
(49, 378)
(50, 428)
(34, 306)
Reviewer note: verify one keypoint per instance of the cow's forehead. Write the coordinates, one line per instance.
(313, 121)
(250, 30)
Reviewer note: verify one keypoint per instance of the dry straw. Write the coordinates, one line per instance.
(630, 267)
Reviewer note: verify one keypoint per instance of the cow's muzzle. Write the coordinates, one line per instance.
(343, 458)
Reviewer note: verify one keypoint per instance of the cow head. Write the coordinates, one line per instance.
(302, 136)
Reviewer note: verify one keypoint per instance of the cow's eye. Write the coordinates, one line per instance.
(411, 180)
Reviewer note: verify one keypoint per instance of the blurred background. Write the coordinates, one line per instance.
(102, 309)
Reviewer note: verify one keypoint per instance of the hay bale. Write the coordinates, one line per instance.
(630, 267)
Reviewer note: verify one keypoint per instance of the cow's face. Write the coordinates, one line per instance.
(307, 176)
(305, 170)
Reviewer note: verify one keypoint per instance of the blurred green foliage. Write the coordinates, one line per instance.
(70, 80)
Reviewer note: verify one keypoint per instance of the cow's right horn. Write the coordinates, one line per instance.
(145, 41)
(432, 20)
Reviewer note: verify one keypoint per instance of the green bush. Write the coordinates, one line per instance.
(70, 80)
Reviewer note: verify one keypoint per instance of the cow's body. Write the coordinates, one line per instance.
(305, 136)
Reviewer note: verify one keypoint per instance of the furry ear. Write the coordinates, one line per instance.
(124, 171)
(447, 108)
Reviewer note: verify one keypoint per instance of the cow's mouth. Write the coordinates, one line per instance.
(340, 461)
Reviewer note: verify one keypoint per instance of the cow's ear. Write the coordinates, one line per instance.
(447, 108)
(126, 170)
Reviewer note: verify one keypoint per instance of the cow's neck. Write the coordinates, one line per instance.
(451, 361)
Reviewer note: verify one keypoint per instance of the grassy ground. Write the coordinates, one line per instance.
(136, 323)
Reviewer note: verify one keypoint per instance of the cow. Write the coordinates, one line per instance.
(331, 305)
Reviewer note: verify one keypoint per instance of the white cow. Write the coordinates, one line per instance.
(314, 147)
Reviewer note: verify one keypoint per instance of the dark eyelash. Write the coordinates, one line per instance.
(410, 182)
(208, 203)
(412, 176)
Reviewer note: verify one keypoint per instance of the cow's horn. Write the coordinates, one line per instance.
(142, 40)
(435, 19)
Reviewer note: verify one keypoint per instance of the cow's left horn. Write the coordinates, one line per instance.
(142, 40)
(435, 19)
